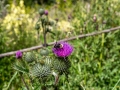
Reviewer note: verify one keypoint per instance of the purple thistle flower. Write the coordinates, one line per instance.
(18, 54)
(62, 49)
(46, 12)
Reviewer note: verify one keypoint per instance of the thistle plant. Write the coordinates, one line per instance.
(95, 64)
(41, 65)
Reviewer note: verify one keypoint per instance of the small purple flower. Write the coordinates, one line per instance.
(69, 16)
(64, 0)
(62, 49)
(56, 19)
(18, 54)
(46, 12)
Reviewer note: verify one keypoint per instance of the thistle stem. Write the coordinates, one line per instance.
(30, 79)
(56, 77)
(23, 80)
(44, 35)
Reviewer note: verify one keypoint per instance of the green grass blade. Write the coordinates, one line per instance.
(15, 74)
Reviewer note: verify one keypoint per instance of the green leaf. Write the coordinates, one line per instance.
(20, 69)
(15, 74)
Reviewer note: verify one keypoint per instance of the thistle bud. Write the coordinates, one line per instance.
(42, 62)
(44, 19)
(30, 57)
(44, 52)
(37, 26)
(61, 65)
(51, 23)
(48, 29)
(46, 12)
(94, 18)
(18, 54)
(56, 19)
(40, 71)
(41, 11)
(104, 22)
(69, 17)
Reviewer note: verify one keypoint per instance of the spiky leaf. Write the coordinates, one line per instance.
(20, 68)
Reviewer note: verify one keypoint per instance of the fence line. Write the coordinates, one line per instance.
(67, 39)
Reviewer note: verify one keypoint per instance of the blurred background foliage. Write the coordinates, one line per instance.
(95, 60)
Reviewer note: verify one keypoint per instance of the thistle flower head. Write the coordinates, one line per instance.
(46, 12)
(18, 54)
(62, 49)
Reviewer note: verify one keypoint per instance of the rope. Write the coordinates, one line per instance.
(67, 39)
